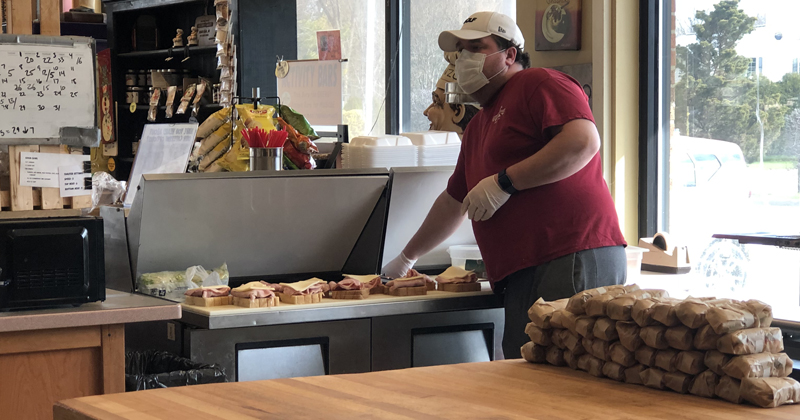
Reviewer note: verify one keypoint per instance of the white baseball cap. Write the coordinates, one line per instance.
(480, 25)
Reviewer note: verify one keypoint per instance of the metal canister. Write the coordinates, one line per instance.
(266, 158)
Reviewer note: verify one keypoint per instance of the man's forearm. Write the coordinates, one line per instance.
(443, 220)
(567, 153)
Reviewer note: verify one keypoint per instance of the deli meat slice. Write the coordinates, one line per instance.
(306, 287)
(406, 282)
(209, 291)
(253, 290)
(457, 275)
(367, 282)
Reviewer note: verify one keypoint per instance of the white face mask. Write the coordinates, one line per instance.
(469, 71)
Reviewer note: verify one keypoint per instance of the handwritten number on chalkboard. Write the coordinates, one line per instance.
(17, 88)
(28, 60)
(41, 107)
(57, 107)
(60, 59)
(40, 94)
(22, 107)
(79, 61)
(22, 94)
(73, 94)
(47, 60)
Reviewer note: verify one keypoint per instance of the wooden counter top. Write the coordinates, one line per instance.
(118, 308)
(504, 389)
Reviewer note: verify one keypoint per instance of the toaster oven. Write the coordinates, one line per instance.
(51, 262)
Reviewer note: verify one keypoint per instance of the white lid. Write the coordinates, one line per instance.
(432, 137)
(387, 140)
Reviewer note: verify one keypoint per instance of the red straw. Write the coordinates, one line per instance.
(257, 137)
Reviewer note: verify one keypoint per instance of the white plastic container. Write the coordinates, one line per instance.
(379, 152)
(459, 254)
(635, 255)
(436, 148)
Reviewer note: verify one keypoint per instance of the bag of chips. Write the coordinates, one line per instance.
(533, 353)
(541, 312)
(751, 341)
(770, 392)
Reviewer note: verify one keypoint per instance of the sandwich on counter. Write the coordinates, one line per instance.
(254, 295)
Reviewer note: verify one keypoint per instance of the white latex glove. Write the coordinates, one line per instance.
(484, 199)
(398, 267)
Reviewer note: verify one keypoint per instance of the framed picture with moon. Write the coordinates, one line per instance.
(558, 25)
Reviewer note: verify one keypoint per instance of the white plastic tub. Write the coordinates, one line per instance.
(635, 255)
(459, 254)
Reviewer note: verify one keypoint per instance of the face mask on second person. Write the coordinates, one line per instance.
(469, 71)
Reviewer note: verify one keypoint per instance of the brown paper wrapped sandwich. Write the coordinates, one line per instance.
(557, 336)
(762, 311)
(614, 371)
(725, 319)
(646, 356)
(601, 350)
(751, 341)
(591, 365)
(680, 337)
(571, 359)
(664, 312)
(596, 305)
(770, 392)
(642, 311)
(761, 365)
(728, 389)
(620, 308)
(621, 355)
(715, 361)
(584, 325)
(629, 335)
(541, 312)
(691, 362)
(533, 353)
(653, 378)
(555, 356)
(633, 375)
(654, 336)
(666, 360)
(605, 329)
(706, 339)
(678, 382)
(538, 335)
(562, 318)
(705, 384)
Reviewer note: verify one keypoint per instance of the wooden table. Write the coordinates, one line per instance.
(503, 389)
(48, 355)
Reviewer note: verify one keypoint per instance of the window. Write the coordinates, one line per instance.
(728, 140)
(427, 19)
(363, 28)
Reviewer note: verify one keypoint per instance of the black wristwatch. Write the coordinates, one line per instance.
(505, 182)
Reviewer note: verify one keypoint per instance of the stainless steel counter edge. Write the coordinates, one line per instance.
(118, 308)
(362, 310)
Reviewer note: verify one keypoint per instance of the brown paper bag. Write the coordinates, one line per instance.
(557, 337)
(587, 343)
(555, 356)
(619, 309)
(761, 365)
(762, 311)
(653, 378)
(573, 342)
(653, 336)
(704, 384)
(605, 329)
(571, 359)
(646, 356)
(614, 371)
(705, 338)
(770, 392)
(576, 303)
(533, 353)
(751, 341)
(621, 355)
(633, 375)
(584, 325)
(691, 362)
(729, 318)
(728, 389)
(562, 318)
(628, 333)
(666, 360)
(692, 312)
(715, 360)
(678, 382)
(591, 365)
(541, 312)
(664, 312)
(538, 335)
(680, 337)
(601, 350)
(642, 311)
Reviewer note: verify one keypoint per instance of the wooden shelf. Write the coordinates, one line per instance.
(176, 52)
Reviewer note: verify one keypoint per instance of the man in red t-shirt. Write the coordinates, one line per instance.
(528, 176)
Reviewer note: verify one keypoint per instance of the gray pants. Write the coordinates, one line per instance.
(557, 279)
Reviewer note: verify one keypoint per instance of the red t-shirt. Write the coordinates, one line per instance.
(539, 224)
